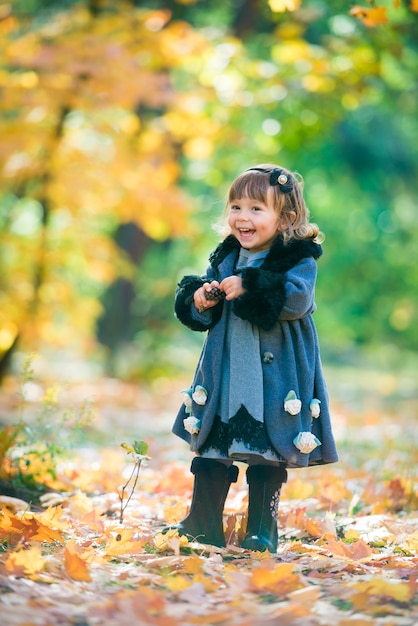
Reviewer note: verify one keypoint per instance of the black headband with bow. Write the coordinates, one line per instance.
(277, 177)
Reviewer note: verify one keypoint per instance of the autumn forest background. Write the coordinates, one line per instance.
(121, 126)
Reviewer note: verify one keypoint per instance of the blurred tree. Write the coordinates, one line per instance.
(112, 110)
(78, 159)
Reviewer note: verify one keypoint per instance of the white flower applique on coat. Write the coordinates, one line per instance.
(200, 396)
(292, 404)
(306, 442)
(187, 399)
(315, 407)
(192, 424)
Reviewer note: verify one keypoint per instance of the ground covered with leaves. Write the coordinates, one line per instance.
(348, 532)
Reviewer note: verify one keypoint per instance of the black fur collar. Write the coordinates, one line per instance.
(281, 257)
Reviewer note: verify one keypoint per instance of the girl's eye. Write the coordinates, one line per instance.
(234, 207)
(256, 208)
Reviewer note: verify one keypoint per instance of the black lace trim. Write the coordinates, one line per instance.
(218, 438)
(242, 428)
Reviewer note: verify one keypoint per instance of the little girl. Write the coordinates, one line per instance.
(258, 394)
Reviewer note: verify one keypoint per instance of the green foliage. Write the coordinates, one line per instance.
(31, 450)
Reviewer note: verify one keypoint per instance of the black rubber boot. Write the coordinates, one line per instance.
(204, 523)
(265, 482)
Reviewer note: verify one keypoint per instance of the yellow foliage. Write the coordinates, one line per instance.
(178, 583)
(278, 6)
(382, 588)
(76, 137)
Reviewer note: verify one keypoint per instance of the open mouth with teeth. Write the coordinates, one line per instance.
(246, 232)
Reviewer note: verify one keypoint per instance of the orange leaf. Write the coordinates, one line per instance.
(374, 16)
(75, 565)
(321, 527)
(41, 532)
(27, 528)
(355, 551)
(280, 580)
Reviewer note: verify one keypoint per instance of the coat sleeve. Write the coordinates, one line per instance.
(185, 309)
(300, 291)
(271, 296)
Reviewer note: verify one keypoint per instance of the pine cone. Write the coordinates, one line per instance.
(214, 294)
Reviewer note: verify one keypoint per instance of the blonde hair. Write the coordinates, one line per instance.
(287, 197)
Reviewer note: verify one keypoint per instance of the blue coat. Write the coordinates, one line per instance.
(279, 299)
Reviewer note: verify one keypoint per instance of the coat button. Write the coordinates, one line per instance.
(268, 358)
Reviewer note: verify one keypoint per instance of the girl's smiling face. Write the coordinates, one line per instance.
(255, 224)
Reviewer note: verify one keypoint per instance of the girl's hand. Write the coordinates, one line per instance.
(232, 286)
(200, 300)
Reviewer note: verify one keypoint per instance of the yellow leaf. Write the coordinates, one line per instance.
(399, 591)
(192, 565)
(411, 544)
(178, 583)
(170, 541)
(25, 562)
(52, 518)
(80, 505)
(351, 535)
(122, 544)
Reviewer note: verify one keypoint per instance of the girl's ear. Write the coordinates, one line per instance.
(287, 220)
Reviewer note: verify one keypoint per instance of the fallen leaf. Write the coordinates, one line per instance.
(170, 541)
(279, 579)
(355, 551)
(75, 565)
(122, 543)
(382, 588)
(25, 562)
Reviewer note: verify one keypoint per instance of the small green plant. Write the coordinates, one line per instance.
(30, 450)
(139, 451)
